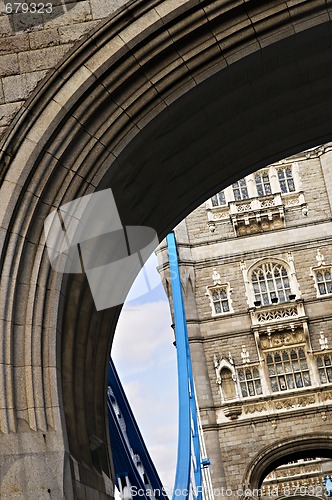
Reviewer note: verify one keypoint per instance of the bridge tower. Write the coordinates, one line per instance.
(256, 273)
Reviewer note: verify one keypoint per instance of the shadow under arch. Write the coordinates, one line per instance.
(166, 119)
(284, 450)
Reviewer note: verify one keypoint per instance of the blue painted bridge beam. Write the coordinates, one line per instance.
(133, 465)
(188, 458)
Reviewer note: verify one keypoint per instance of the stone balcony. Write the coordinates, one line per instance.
(255, 215)
(300, 478)
(252, 215)
(276, 317)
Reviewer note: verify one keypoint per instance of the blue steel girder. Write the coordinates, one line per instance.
(127, 441)
(188, 437)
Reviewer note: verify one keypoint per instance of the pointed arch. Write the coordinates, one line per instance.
(270, 281)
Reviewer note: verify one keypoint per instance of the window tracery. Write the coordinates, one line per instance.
(240, 190)
(219, 298)
(271, 283)
(219, 199)
(260, 201)
(219, 295)
(250, 381)
(288, 369)
(286, 180)
(324, 364)
(322, 274)
(263, 184)
(324, 281)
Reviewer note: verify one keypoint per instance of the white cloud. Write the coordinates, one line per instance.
(143, 337)
(145, 359)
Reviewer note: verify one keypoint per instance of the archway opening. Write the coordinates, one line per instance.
(304, 460)
(162, 148)
(301, 474)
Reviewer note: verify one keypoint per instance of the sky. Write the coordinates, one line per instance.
(145, 359)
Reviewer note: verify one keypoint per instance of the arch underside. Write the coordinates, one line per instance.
(166, 103)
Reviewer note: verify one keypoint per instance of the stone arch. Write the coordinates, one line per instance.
(165, 103)
(281, 451)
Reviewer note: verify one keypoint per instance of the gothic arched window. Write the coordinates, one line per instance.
(270, 283)
(219, 299)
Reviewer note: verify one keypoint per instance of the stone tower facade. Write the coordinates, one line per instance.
(256, 269)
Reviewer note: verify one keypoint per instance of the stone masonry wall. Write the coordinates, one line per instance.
(31, 45)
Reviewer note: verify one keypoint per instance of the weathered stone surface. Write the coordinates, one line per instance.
(9, 65)
(43, 38)
(270, 104)
(19, 87)
(8, 112)
(14, 43)
(37, 60)
(102, 8)
(78, 12)
(72, 33)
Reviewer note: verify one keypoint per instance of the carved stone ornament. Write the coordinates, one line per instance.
(298, 402)
(255, 408)
(243, 265)
(277, 313)
(326, 396)
(232, 411)
(323, 342)
(282, 339)
(216, 278)
(320, 258)
(223, 363)
(245, 355)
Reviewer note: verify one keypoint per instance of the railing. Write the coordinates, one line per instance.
(277, 313)
(253, 211)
